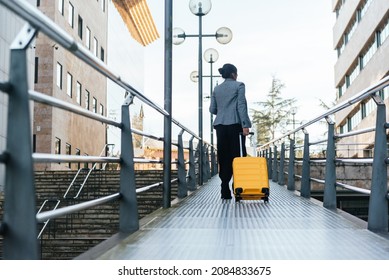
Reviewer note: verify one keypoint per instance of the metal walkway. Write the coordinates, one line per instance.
(289, 227)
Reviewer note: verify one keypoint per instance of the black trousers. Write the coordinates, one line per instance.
(227, 149)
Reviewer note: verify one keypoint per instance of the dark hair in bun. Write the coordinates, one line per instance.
(227, 70)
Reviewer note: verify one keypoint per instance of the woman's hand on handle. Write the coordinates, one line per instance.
(246, 131)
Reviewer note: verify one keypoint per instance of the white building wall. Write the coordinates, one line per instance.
(364, 60)
(126, 58)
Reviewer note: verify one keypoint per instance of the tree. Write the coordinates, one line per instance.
(273, 113)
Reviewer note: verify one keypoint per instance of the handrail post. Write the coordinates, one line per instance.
(269, 162)
(167, 121)
(182, 186)
(281, 174)
(198, 165)
(275, 171)
(205, 165)
(192, 167)
(378, 202)
(214, 168)
(329, 200)
(19, 221)
(306, 172)
(291, 172)
(207, 162)
(129, 217)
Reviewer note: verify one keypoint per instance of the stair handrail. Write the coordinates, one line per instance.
(87, 176)
(48, 220)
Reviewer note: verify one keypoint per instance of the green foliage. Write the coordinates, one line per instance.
(272, 113)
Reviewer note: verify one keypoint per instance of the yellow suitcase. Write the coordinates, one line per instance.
(251, 181)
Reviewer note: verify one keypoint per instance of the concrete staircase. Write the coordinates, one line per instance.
(68, 237)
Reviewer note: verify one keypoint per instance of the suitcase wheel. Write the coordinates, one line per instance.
(238, 191)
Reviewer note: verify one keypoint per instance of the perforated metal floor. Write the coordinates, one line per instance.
(289, 227)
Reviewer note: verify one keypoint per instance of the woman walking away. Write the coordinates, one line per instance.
(229, 104)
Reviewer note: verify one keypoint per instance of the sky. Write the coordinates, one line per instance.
(289, 40)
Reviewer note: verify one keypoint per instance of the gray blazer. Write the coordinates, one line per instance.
(229, 104)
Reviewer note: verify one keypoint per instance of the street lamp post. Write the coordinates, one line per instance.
(211, 56)
(223, 35)
(293, 111)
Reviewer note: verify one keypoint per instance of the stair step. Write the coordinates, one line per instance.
(76, 233)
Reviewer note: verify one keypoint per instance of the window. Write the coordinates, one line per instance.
(87, 95)
(60, 6)
(59, 75)
(71, 15)
(381, 94)
(102, 54)
(69, 89)
(354, 74)
(347, 81)
(36, 70)
(94, 105)
(356, 18)
(363, 110)
(102, 109)
(342, 129)
(349, 126)
(78, 92)
(369, 54)
(365, 7)
(57, 146)
(384, 32)
(80, 26)
(356, 119)
(85, 163)
(34, 143)
(68, 152)
(386, 92)
(95, 46)
(370, 107)
(78, 153)
(87, 38)
(368, 152)
(340, 93)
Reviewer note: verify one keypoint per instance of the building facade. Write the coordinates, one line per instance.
(361, 41)
(55, 72)
(62, 75)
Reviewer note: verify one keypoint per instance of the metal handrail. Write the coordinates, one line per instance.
(76, 208)
(355, 132)
(87, 176)
(38, 22)
(48, 220)
(353, 100)
(353, 188)
(378, 202)
(49, 100)
(42, 157)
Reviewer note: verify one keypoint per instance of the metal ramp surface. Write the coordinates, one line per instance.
(289, 227)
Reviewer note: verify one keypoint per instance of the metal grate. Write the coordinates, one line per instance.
(289, 227)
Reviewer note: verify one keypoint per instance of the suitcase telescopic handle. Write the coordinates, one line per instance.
(241, 142)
